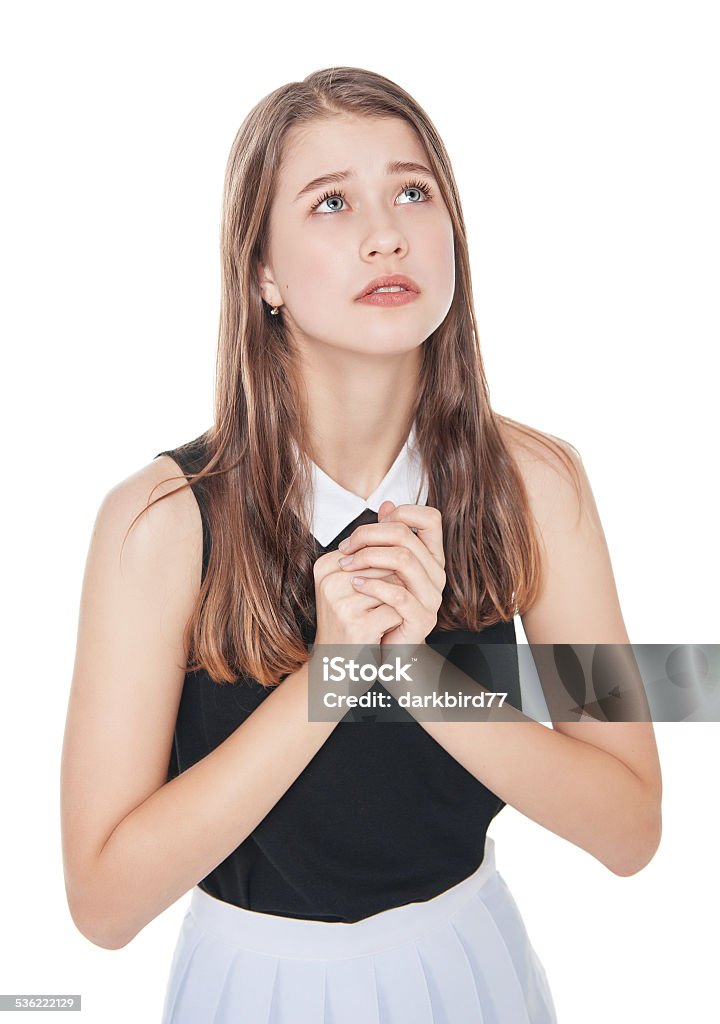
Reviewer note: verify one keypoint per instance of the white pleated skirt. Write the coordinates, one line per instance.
(463, 957)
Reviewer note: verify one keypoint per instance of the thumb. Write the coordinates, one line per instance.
(385, 509)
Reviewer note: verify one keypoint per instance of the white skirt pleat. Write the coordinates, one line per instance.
(463, 957)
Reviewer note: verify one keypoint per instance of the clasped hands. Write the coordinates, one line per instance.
(398, 567)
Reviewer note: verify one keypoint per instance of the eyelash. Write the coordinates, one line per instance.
(421, 186)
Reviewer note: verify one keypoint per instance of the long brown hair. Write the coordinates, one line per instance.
(259, 580)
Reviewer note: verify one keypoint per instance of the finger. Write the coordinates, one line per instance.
(326, 564)
(338, 587)
(411, 561)
(426, 522)
(412, 573)
(427, 544)
(383, 619)
(373, 603)
(399, 598)
(377, 573)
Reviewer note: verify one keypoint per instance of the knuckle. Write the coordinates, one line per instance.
(320, 566)
(403, 598)
(327, 586)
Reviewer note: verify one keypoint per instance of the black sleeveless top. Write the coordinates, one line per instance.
(381, 816)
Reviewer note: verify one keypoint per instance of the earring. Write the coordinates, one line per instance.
(275, 310)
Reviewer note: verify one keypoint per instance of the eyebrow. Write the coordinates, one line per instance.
(393, 167)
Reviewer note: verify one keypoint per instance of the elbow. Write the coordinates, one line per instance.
(641, 846)
(108, 939)
(98, 930)
(93, 923)
(99, 901)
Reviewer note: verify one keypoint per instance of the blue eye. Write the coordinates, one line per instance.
(416, 186)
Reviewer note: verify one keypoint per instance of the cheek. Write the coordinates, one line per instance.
(444, 241)
(306, 268)
(440, 256)
(315, 281)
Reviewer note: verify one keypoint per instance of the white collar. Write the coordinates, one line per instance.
(335, 507)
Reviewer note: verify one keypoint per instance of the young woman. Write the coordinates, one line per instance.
(339, 871)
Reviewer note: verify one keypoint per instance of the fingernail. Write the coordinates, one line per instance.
(346, 560)
(344, 543)
(358, 581)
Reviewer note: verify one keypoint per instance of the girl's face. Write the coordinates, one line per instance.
(328, 240)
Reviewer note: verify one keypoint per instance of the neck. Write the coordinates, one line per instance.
(360, 414)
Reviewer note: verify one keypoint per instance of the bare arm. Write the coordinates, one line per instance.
(579, 789)
(133, 843)
(596, 784)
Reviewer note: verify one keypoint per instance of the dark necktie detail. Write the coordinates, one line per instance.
(366, 516)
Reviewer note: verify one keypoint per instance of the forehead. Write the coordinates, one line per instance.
(365, 143)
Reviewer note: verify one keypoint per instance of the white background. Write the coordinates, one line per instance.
(584, 140)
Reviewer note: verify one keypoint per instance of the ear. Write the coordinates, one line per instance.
(268, 289)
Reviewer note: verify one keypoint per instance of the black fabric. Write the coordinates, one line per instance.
(380, 817)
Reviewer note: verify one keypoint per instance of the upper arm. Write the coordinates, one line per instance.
(578, 601)
(129, 663)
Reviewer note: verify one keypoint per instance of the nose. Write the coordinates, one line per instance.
(382, 231)
(383, 238)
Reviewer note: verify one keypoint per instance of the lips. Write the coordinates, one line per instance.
(387, 281)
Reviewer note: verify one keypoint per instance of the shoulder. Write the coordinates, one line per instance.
(559, 492)
(578, 596)
(161, 538)
(551, 468)
(537, 453)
